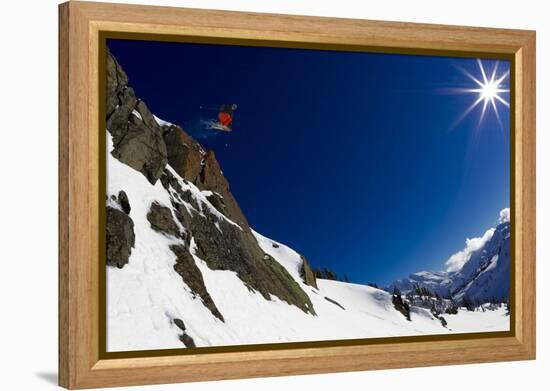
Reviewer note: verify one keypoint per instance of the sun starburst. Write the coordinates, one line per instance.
(488, 91)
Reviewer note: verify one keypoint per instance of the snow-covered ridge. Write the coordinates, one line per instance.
(162, 122)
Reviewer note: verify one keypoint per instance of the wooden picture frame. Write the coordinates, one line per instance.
(81, 25)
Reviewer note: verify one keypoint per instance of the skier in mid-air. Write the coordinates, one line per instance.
(225, 116)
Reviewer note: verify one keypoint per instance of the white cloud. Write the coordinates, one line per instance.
(504, 216)
(456, 261)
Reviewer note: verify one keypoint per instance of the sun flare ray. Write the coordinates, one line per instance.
(500, 99)
(485, 81)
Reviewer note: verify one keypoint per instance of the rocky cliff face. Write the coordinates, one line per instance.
(201, 218)
(137, 137)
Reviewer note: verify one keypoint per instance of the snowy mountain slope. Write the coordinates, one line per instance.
(184, 268)
(147, 294)
(483, 273)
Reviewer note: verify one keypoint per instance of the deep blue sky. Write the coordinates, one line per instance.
(352, 159)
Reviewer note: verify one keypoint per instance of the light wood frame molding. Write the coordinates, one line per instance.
(80, 24)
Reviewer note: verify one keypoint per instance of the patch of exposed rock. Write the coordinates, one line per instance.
(120, 237)
(160, 218)
(187, 340)
(217, 202)
(185, 266)
(124, 202)
(184, 153)
(211, 178)
(117, 80)
(334, 302)
(184, 337)
(401, 306)
(307, 273)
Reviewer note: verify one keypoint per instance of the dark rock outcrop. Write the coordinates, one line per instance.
(179, 323)
(170, 183)
(232, 248)
(452, 309)
(184, 154)
(140, 147)
(217, 202)
(334, 302)
(124, 202)
(120, 237)
(116, 82)
(185, 266)
(146, 116)
(401, 306)
(160, 218)
(118, 120)
(184, 337)
(137, 139)
(187, 196)
(307, 273)
(187, 340)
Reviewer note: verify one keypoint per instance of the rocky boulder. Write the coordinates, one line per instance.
(160, 218)
(146, 116)
(124, 202)
(120, 237)
(179, 323)
(187, 340)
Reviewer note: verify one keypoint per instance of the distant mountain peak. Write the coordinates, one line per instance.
(481, 270)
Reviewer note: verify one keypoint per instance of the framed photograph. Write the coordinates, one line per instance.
(247, 195)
